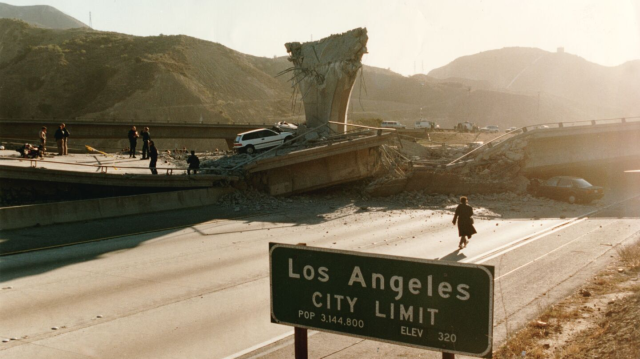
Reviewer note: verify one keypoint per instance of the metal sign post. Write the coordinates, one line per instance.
(300, 338)
(436, 305)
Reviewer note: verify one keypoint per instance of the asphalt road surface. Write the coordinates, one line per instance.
(184, 285)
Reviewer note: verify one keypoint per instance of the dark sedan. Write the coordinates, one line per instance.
(565, 188)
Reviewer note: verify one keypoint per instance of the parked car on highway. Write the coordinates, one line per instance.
(393, 124)
(466, 127)
(490, 129)
(284, 126)
(260, 139)
(429, 125)
(566, 188)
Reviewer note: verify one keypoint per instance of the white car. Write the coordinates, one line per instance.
(429, 125)
(490, 129)
(393, 124)
(510, 129)
(260, 139)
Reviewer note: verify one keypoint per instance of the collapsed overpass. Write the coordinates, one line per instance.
(591, 149)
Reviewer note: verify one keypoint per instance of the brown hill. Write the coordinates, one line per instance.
(40, 15)
(601, 91)
(86, 73)
(92, 74)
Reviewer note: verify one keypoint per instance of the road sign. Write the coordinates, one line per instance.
(437, 305)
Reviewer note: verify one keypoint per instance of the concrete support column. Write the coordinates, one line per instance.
(324, 73)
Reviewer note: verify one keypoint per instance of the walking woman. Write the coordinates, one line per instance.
(153, 157)
(465, 222)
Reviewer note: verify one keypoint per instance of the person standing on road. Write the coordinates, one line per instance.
(61, 136)
(43, 140)
(465, 222)
(65, 139)
(146, 137)
(133, 140)
(153, 157)
(194, 163)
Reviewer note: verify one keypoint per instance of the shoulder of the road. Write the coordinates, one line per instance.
(282, 345)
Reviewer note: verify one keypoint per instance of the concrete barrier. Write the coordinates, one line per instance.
(75, 211)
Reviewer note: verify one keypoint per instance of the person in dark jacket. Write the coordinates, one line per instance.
(153, 157)
(465, 222)
(61, 136)
(194, 163)
(133, 140)
(65, 139)
(146, 137)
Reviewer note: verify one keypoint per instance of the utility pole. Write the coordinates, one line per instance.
(90, 21)
(538, 111)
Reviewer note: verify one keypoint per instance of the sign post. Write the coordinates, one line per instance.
(300, 338)
(435, 305)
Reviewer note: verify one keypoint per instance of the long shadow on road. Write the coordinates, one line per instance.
(117, 234)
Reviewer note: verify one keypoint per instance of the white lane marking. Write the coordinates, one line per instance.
(260, 345)
(546, 254)
(310, 333)
(527, 240)
(536, 236)
(524, 240)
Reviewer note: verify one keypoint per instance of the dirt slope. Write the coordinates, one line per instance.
(40, 15)
(109, 76)
(86, 73)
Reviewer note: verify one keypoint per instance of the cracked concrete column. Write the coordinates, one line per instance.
(324, 73)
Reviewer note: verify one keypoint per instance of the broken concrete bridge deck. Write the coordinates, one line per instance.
(318, 167)
(109, 171)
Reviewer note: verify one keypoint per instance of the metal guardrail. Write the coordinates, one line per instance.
(130, 121)
(99, 167)
(526, 129)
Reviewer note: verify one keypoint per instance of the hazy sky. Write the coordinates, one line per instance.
(403, 35)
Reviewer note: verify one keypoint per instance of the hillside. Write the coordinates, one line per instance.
(86, 73)
(40, 15)
(612, 90)
(109, 76)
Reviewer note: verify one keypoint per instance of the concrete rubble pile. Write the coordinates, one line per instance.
(224, 165)
(396, 166)
(252, 200)
(499, 163)
(423, 199)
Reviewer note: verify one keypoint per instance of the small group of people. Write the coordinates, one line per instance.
(133, 142)
(62, 139)
(149, 151)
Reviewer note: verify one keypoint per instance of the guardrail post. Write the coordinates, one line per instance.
(300, 338)
(524, 129)
(448, 356)
(560, 124)
(624, 120)
(593, 122)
